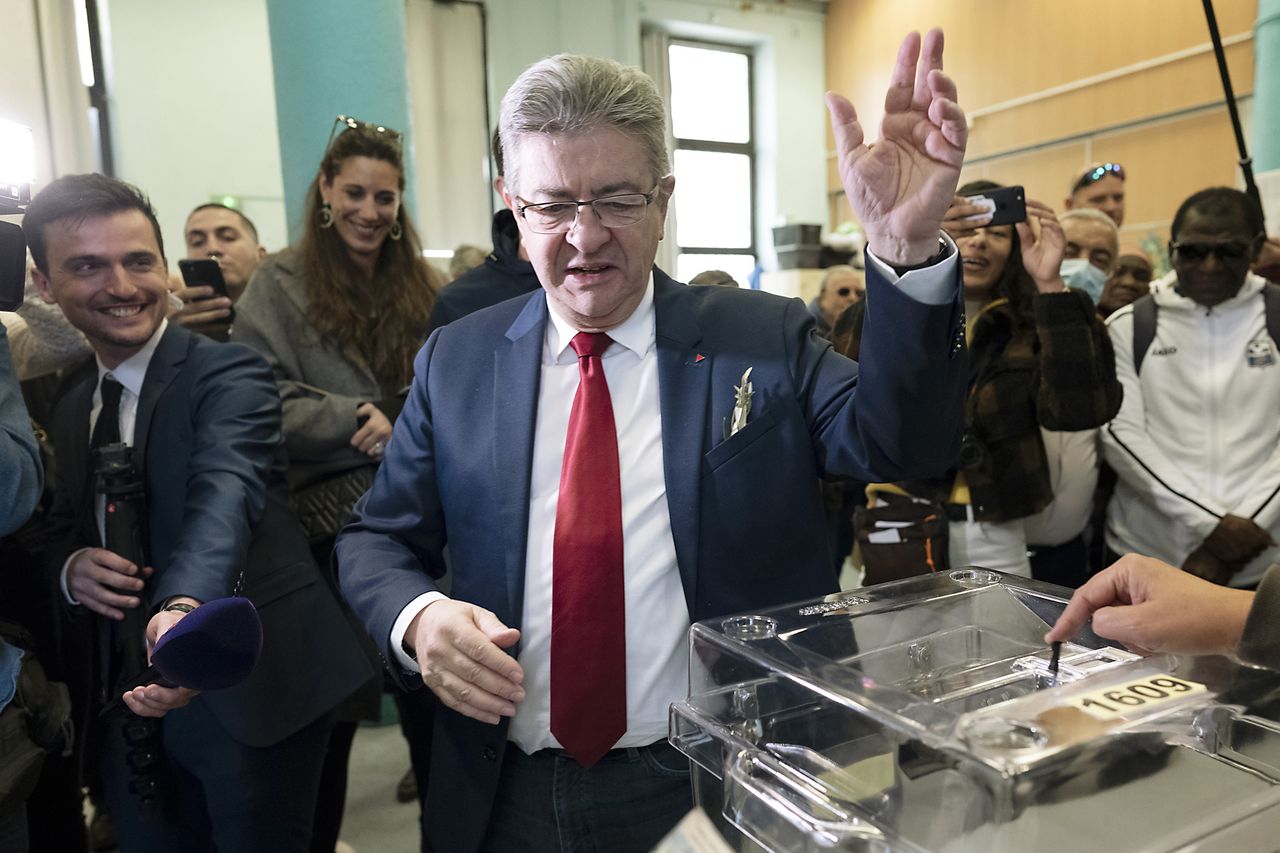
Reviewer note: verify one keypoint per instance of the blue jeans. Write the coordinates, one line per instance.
(627, 801)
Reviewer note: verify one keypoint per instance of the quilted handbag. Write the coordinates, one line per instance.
(324, 507)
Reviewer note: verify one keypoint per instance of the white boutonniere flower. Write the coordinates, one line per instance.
(741, 403)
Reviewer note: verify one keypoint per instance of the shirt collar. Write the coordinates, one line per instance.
(133, 370)
(635, 333)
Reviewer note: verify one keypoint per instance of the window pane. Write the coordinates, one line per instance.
(710, 94)
(738, 266)
(713, 200)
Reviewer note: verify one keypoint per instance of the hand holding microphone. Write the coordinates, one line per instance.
(212, 647)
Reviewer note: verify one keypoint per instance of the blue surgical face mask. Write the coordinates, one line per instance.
(1079, 274)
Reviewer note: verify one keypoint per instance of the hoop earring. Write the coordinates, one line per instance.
(326, 215)
(395, 232)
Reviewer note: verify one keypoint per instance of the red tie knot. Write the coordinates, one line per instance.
(590, 344)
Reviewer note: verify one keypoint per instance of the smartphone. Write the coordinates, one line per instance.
(1006, 205)
(197, 272)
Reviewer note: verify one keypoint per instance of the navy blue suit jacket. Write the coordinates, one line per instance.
(207, 439)
(746, 511)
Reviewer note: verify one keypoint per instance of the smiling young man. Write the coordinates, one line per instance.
(573, 449)
(202, 423)
(1196, 444)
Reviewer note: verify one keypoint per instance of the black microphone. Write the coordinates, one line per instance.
(213, 647)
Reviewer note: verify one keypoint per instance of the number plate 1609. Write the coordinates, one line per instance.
(1126, 700)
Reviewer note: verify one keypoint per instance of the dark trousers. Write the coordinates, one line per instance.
(628, 801)
(417, 719)
(217, 793)
(1066, 564)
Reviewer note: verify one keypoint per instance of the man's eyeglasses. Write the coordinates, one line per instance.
(1193, 253)
(348, 122)
(613, 211)
(1098, 173)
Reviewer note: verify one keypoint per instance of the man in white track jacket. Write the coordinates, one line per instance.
(1196, 444)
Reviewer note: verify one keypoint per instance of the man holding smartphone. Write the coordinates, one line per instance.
(225, 235)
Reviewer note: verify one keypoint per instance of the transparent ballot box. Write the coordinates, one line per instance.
(921, 715)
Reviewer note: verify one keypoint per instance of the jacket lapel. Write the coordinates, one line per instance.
(73, 454)
(684, 380)
(170, 353)
(517, 374)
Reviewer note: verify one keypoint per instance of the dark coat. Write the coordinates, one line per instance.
(502, 276)
(208, 442)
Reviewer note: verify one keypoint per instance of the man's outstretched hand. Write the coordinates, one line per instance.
(901, 185)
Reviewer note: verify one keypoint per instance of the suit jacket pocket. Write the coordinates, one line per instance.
(755, 429)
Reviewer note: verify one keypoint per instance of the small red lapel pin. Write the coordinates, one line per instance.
(698, 357)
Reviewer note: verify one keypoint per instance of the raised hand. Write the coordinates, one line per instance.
(901, 185)
(1043, 243)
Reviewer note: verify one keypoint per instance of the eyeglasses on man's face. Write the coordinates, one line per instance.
(613, 211)
(1231, 252)
(1096, 174)
(351, 123)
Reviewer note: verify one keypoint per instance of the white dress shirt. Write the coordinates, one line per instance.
(656, 614)
(130, 373)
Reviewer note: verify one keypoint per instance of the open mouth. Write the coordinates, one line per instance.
(975, 263)
(589, 269)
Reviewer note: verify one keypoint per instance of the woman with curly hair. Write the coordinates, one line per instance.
(339, 316)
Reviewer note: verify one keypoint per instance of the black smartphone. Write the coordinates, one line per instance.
(1006, 205)
(197, 272)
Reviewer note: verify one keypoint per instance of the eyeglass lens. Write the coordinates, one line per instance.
(612, 211)
(1195, 252)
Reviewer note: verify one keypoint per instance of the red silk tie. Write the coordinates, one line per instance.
(588, 612)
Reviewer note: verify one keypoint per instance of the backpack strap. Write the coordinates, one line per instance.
(1144, 328)
(1271, 304)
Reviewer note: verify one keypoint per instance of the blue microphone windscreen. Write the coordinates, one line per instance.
(212, 647)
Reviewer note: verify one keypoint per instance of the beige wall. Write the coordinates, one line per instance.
(1162, 120)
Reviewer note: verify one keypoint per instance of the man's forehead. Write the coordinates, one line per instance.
(211, 218)
(122, 232)
(1223, 223)
(599, 162)
(1108, 185)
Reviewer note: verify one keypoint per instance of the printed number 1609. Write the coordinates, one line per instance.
(1124, 699)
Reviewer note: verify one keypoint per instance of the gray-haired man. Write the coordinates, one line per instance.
(582, 452)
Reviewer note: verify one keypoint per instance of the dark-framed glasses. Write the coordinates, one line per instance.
(613, 211)
(1097, 173)
(352, 123)
(1231, 252)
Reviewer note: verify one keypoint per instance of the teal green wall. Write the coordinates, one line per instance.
(1266, 88)
(330, 57)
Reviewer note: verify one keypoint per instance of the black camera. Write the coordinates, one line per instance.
(17, 172)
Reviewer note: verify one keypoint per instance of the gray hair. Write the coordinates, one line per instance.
(833, 270)
(1091, 214)
(570, 94)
